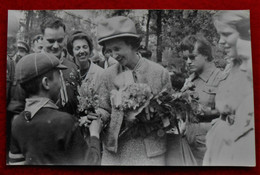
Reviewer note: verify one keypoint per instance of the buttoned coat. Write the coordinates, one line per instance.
(131, 151)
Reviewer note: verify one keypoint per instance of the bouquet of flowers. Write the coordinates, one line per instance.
(131, 97)
(160, 112)
(88, 98)
(172, 108)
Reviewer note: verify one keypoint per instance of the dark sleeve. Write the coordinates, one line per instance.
(17, 102)
(94, 153)
(78, 151)
(15, 155)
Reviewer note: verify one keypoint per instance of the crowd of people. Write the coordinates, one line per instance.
(45, 127)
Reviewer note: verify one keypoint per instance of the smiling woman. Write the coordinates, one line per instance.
(136, 147)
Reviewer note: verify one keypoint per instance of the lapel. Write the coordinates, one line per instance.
(91, 72)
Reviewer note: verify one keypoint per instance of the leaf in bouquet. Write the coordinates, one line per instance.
(194, 95)
(151, 109)
(176, 95)
(147, 113)
(165, 121)
(159, 101)
(88, 99)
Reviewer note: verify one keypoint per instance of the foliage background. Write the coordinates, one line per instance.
(162, 30)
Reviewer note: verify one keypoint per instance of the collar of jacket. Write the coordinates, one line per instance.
(206, 74)
(93, 68)
(33, 105)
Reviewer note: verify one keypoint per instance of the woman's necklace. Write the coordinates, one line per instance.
(82, 76)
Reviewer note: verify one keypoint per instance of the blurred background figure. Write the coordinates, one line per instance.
(231, 92)
(22, 50)
(243, 130)
(109, 60)
(197, 53)
(96, 58)
(13, 27)
(37, 44)
(145, 52)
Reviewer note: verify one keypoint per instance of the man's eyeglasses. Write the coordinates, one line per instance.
(190, 56)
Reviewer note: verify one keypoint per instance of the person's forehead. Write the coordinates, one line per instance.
(80, 41)
(52, 32)
(223, 27)
(185, 52)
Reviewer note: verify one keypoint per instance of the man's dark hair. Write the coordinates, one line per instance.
(53, 23)
(32, 87)
(204, 47)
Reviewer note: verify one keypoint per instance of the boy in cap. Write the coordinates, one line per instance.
(22, 50)
(53, 31)
(41, 134)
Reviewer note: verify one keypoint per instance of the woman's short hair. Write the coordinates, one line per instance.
(231, 17)
(204, 47)
(76, 35)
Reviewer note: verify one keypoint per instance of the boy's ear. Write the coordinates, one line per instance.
(45, 83)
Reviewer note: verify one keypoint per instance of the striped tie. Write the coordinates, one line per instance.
(63, 91)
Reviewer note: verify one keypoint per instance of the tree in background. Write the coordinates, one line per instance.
(162, 30)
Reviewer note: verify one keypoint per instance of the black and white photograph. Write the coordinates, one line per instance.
(129, 88)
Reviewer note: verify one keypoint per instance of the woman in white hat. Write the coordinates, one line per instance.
(118, 34)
